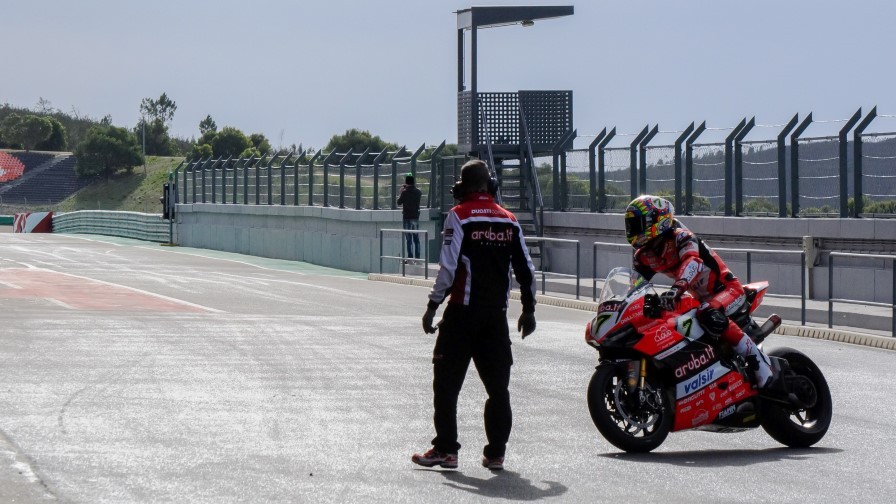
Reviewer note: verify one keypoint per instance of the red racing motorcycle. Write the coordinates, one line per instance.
(659, 372)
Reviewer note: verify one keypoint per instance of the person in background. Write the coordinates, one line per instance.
(409, 199)
(482, 244)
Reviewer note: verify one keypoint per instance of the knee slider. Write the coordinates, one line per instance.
(713, 321)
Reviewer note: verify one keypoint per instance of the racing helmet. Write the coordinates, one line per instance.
(647, 217)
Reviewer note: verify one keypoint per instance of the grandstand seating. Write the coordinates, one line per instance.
(14, 164)
(50, 182)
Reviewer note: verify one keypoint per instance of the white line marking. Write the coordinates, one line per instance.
(59, 303)
(141, 291)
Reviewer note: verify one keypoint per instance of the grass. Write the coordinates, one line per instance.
(135, 192)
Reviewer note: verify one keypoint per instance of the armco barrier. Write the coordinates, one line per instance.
(140, 226)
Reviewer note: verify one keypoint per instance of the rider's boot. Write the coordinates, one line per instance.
(796, 389)
(763, 368)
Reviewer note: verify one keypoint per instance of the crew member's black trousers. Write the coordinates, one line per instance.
(480, 334)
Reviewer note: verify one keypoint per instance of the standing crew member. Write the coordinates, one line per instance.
(409, 199)
(482, 244)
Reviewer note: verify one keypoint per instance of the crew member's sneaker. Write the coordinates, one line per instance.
(494, 463)
(434, 458)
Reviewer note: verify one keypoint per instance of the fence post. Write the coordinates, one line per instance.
(729, 164)
(795, 166)
(782, 165)
(358, 177)
(327, 178)
(857, 163)
(739, 167)
(295, 177)
(602, 170)
(633, 161)
(190, 166)
(689, 168)
(311, 161)
(283, 178)
(435, 159)
(592, 170)
(677, 153)
(414, 157)
(376, 178)
(844, 162)
(642, 151)
(224, 179)
(214, 183)
(269, 171)
(342, 163)
(831, 290)
(395, 174)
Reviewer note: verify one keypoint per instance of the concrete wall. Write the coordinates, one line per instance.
(349, 239)
(334, 237)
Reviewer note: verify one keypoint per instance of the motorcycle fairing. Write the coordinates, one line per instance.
(716, 401)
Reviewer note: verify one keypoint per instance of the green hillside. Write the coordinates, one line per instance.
(135, 192)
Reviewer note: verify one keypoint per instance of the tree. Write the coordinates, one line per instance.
(260, 142)
(207, 125)
(358, 141)
(201, 151)
(158, 110)
(105, 150)
(57, 139)
(158, 143)
(230, 142)
(155, 116)
(25, 131)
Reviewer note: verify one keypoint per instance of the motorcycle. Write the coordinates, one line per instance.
(660, 372)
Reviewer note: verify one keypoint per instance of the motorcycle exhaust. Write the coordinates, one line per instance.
(767, 328)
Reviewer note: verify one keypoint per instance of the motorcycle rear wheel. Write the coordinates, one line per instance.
(632, 429)
(799, 428)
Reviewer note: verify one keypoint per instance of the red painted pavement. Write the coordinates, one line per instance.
(82, 293)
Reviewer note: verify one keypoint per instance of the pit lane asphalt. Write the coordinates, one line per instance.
(217, 377)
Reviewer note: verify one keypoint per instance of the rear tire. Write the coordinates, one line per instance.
(631, 429)
(799, 428)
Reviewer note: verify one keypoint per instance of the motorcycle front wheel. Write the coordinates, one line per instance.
(621, 417)
(799, 428)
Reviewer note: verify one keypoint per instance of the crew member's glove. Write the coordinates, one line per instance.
(669, 299)
(526, 323)
(428, 317)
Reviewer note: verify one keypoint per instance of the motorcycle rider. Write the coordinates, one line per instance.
(663, 245)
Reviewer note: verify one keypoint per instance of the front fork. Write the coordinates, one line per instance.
(636, 378)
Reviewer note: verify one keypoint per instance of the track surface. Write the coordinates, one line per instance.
(155, 374)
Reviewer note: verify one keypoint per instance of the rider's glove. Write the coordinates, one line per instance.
(669, 299)
(427, 321)
(526, 323)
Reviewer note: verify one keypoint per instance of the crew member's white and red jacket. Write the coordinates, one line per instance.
(482, 243)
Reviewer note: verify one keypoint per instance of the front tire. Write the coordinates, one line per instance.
(799, 428)
(618, 415)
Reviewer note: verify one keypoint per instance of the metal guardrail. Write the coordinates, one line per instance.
(140, 226)
(832, 299)
(751, 252)
(404, 259)
(749, 256)
(578, 275)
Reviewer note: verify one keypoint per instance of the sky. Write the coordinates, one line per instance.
(301, 71)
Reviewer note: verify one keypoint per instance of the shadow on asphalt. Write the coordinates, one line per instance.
(722, 458)
(504, 484)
